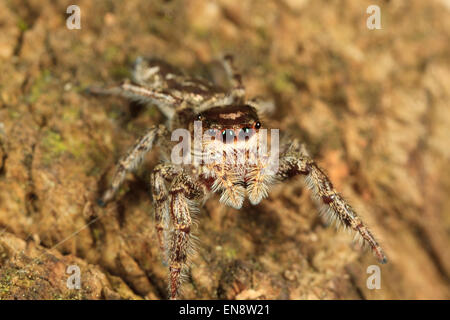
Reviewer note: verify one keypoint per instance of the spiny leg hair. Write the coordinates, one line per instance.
(296, 161)
(184, 196)
(137, 93)
(162, 174)
(132, 160)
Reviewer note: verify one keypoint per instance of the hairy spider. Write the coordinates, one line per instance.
(234, 126)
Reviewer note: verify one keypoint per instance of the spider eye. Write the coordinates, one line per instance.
(245, 133)
(199, 117)
(257, 125)
(227, 135)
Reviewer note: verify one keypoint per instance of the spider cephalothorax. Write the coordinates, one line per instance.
(229, 156)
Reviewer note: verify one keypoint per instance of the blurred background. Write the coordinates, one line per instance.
(371, 105)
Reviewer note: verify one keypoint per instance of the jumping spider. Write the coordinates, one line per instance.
(179, 189)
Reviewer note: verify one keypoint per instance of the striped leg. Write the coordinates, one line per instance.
(132, 160)
(183, 196)
(297, 161)
(161, 174)
(165, 101)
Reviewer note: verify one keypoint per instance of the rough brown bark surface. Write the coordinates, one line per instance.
(373, 107)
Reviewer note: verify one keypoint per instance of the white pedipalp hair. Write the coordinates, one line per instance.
(233, 165)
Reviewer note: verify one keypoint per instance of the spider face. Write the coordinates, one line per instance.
(230, 124)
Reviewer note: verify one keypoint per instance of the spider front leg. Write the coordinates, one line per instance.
(296, 161)
(162, 173)
(183, 196)
(132, 160)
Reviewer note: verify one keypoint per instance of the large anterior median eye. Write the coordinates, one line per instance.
(245, 133)
(228, 135)
(257, 125)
